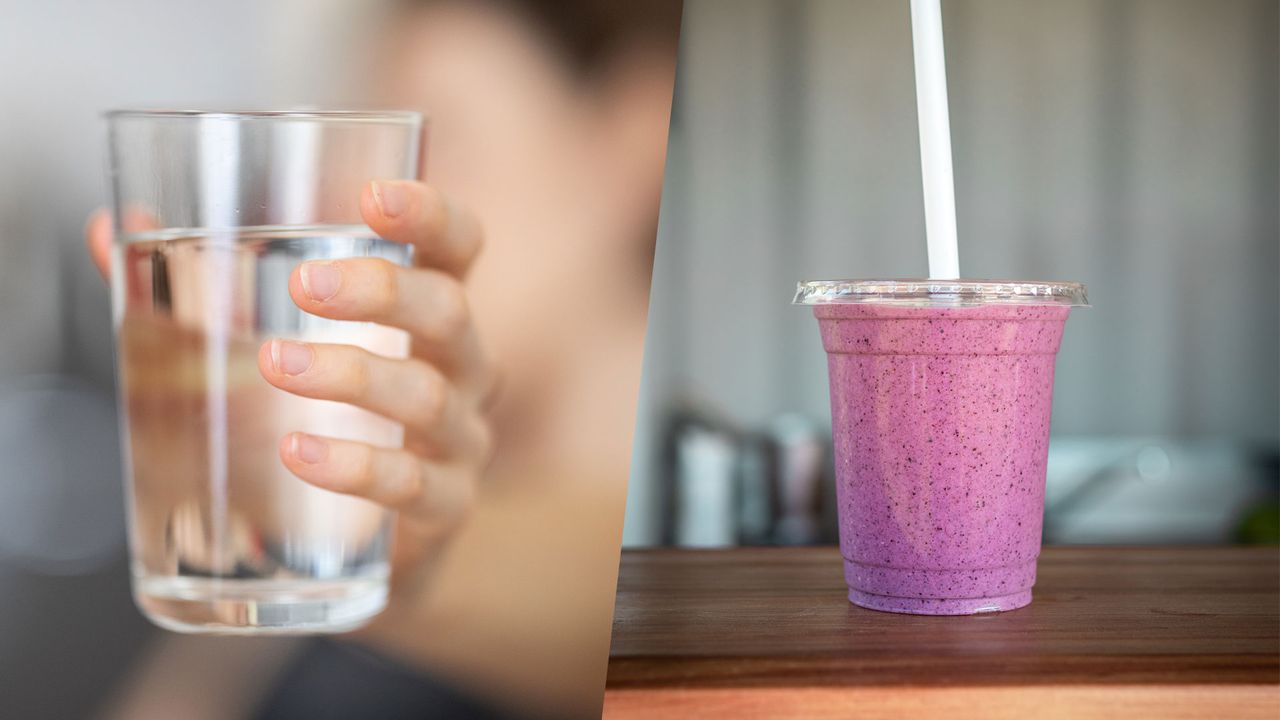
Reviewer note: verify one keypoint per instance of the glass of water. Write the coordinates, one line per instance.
(213, 211)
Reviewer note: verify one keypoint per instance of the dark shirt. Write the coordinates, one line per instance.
(332, 679)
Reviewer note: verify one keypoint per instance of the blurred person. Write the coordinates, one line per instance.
(534, 238)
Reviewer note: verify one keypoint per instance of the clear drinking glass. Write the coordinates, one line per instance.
(213, 211)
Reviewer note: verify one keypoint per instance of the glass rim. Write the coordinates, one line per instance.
(393, 117)
(940, 293)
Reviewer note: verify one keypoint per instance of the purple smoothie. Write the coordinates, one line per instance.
(940, 420)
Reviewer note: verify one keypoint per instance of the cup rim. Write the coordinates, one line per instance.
(925, 292)
(396, 117)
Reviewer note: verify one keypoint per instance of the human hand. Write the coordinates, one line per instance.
(438, 393)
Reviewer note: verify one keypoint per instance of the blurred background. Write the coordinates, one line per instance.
(1127, 144)
(64, 596)
(548, 119)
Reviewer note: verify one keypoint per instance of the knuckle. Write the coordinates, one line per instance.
(435, 213)
(363, 470)
(385, 284)
(432, 400)
(357, 379)
(369, 288)
(406, 484)
(452, 312)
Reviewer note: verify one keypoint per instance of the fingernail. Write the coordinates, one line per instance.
(309, 449)
(391, 198)
(320, 280)
(290, 358)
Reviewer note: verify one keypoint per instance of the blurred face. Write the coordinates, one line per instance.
(564, 175)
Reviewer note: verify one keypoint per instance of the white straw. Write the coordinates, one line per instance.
(935, 139)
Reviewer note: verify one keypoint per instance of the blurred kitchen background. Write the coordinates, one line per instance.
(68, 630)
(1127, 144)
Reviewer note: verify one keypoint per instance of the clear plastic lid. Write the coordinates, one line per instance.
(928, 293)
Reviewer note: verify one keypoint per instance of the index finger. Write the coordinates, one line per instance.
(444, 236)
(97, 236)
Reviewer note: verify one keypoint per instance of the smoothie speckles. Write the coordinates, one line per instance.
(940, 419)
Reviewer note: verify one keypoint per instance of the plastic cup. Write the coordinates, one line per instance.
(941, 394)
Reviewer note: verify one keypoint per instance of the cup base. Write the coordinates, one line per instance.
(214, 606)
(939, 606)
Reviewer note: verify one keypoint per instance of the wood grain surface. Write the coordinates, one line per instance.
(1168, 632)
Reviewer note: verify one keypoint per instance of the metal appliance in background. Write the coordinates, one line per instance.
(704, 493)
(801, 455)
(728, 486)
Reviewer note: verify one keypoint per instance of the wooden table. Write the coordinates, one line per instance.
(1112, 632)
